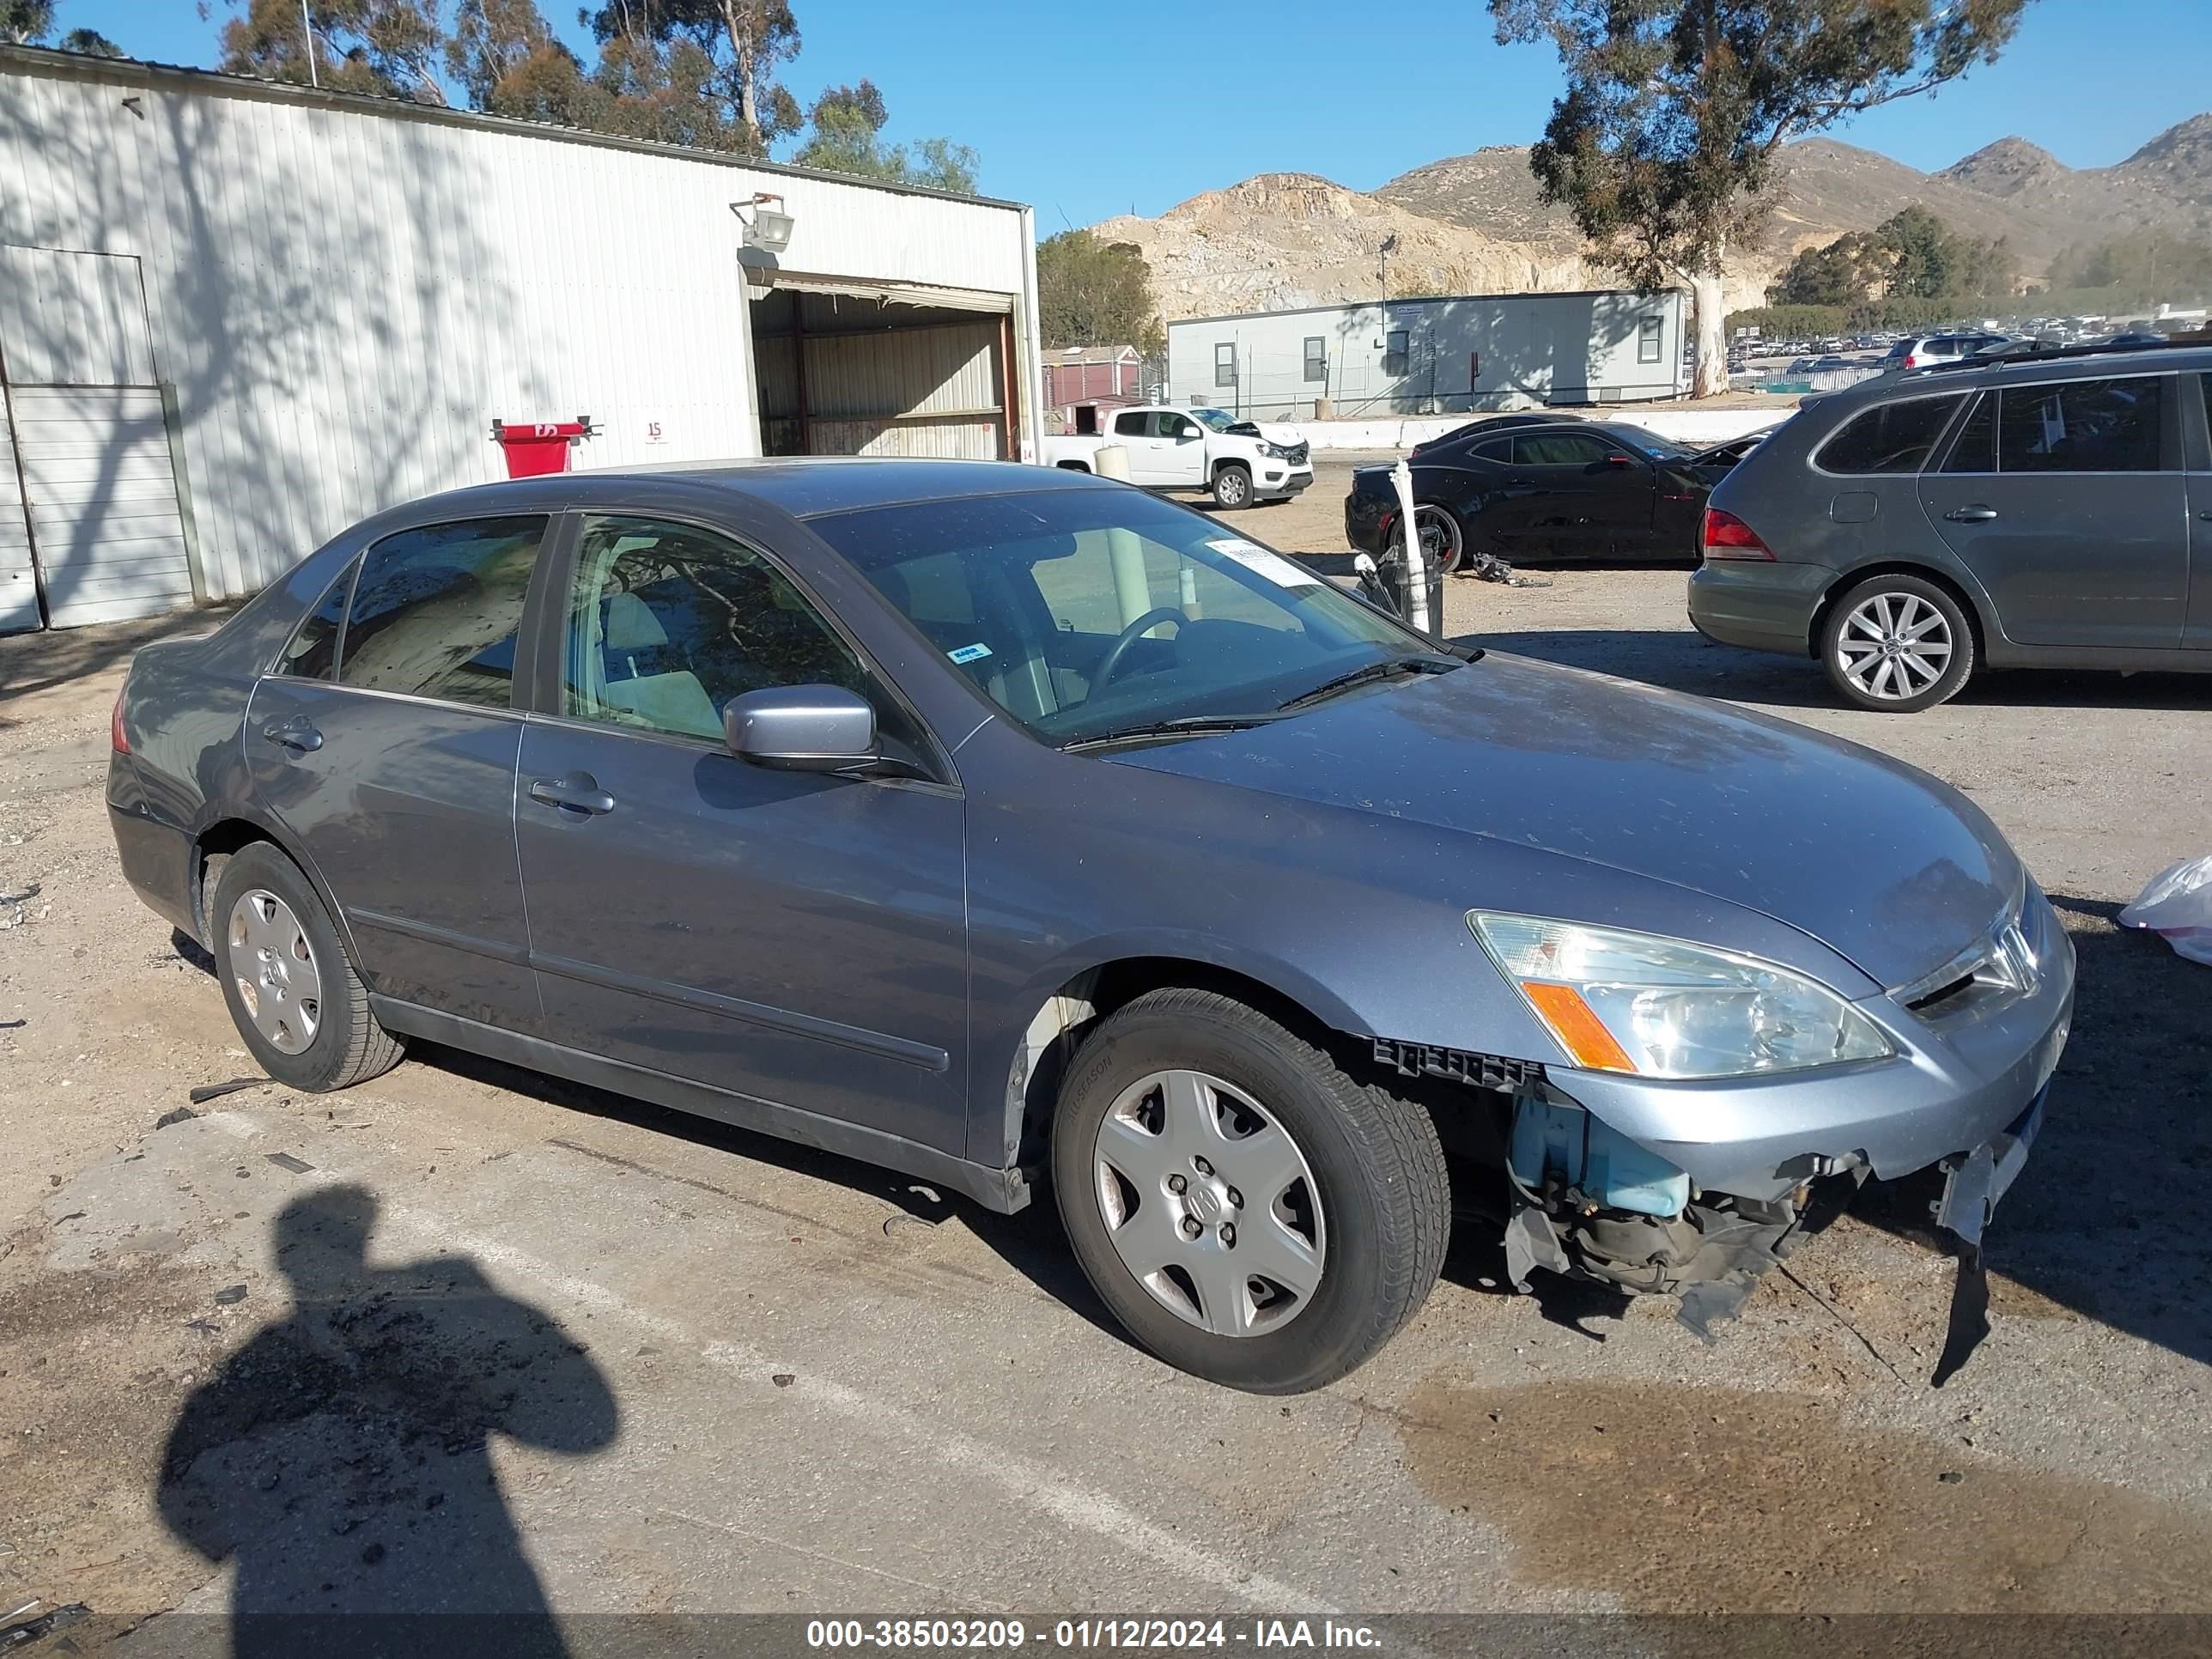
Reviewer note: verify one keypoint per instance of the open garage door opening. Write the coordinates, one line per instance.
(857, 368)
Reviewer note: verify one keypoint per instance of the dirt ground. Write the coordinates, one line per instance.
(527, 1345)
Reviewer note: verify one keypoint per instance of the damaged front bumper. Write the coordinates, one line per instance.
(1964, 1093)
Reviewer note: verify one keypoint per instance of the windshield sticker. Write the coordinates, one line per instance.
(967, 653)
(1260, 563)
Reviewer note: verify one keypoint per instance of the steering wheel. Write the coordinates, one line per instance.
(1110, 663)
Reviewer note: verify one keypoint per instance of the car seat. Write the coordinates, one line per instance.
(638, 677)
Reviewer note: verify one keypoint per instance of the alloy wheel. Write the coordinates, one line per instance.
(1439, 536)
(1209, 1204)
(1893, 647)
(273, 966)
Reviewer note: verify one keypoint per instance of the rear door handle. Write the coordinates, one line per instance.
(299, 732)
(1976, 514)
(578, 794)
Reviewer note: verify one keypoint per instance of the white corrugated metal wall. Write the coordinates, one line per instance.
(18, 586)
(345, 294)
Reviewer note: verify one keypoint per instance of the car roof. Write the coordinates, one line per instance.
(801, 486)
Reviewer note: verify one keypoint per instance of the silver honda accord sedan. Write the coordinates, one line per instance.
(1015, 828)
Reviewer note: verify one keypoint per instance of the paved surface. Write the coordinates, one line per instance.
(526, 1339)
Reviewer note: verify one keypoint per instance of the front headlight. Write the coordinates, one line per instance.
(1663, 1007)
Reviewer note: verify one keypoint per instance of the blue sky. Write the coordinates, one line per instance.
(1085, 114)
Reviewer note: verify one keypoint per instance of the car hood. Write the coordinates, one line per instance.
(1888, 866)
(1277, 432)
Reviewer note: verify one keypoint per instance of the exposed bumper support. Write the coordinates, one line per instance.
(1974, 1181)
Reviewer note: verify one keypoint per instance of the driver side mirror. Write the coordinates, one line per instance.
(1188, 433)
(1620, 460)
(801, 728)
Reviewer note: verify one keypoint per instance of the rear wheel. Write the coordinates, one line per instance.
(293, 993)
(1443, 542)
(1897, 644)
(1232, 487)
(1251, 1212)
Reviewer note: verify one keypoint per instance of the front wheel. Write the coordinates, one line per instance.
(1251, 1212)
(1232, 488)
(1897, 644)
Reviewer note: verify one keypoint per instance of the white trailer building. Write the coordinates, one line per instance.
(1434, 356)
(237, 316)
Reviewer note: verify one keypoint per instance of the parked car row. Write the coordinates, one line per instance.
(2034, 509)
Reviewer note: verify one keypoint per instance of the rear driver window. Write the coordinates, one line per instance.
(436, 610)
(1887, 438)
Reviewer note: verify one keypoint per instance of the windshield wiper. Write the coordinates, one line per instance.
(1389, 668)
(1183, 725)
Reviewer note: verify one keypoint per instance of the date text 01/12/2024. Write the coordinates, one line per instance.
(948, 1635)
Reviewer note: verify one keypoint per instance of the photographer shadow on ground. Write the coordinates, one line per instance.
(341, 1458)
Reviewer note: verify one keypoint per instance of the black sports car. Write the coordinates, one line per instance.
(1546, 489)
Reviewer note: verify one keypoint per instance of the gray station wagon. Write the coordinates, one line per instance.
(2048, 511)
(1015, 828)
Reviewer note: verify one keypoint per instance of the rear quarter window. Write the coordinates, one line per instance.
(1894, 437)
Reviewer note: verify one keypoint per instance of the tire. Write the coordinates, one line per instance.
(1361, 1224)
(1439, 527)
(1897, 644)
(1232, 486)
(292, 990)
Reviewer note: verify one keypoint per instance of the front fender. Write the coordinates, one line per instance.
(1003, 1051)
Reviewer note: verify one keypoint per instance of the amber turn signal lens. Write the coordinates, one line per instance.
(1580, 1032)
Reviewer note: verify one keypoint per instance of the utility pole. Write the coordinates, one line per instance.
(309, 24)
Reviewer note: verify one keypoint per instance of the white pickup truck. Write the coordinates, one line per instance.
(1238, 462)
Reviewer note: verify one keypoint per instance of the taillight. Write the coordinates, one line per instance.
(1728, 537)
(115, 736)
(1912, 361)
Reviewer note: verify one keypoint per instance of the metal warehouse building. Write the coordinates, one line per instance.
(1434, 356)
(236, 316)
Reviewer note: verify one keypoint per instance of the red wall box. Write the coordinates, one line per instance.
(534, 448)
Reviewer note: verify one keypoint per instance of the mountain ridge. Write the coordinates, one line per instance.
(1478, 223)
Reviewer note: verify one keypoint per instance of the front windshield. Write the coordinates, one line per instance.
(1082, 612)
(1214, 420)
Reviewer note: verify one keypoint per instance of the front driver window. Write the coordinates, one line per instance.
(667, 623)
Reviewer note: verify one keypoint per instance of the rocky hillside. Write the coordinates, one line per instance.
(1477, 224)
(1285, 239)
(2167, 185)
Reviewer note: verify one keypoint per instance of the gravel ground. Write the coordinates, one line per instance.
(526, 1340)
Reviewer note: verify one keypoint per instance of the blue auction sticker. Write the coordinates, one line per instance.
(969, 653)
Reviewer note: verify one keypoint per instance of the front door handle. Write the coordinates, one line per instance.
(2206, 515)
(1976, 513)
(297, 733)
(579, 793)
